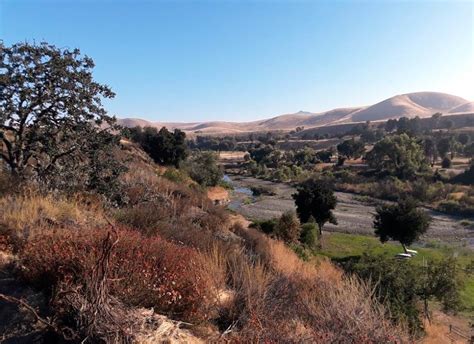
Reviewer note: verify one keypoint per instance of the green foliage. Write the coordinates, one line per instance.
(456, 208)
(163, 146)
(288, 227)
(409, 126)
(446, 162)
(398, 155)
(266, 226)
(226, 185)
(463, 138)
(203, 168)
(259, 190)
(429, 147)
(469, 150)
(315, 197)
(444, 146)
(403, 222)
(175, 175)
(351, 149)
(51, 119)
(262, 154)
(309, 234)
(403, 285)
(324, 156)
(467, 177)
(304, 156)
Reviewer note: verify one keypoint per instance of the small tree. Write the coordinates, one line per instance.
(288, 227)
(467, 177)
(444, 146)
(446, 163)
(429, 147)
(324, 156)
(309, 234)
(402, 222)
(316, 198)
(399, 155)
(350, 149)
(163, 146)
(203, 168)
(463, 138)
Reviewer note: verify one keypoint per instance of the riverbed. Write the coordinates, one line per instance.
(354, 214)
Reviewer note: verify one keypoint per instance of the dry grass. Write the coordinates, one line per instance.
(178, 256)
(282, 298)
(232, 155)
(218, 194)
(24, 215)
(22, 212)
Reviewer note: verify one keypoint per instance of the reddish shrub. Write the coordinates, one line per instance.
(146, 272)
(152, 272)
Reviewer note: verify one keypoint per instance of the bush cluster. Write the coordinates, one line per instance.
(145, 272)
(289, 229)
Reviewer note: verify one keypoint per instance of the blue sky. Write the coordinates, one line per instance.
(244, 60)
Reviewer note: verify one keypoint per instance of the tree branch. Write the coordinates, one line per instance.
(12, 299)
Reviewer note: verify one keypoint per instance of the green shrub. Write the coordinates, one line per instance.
(266, 226)
(467, 177)
(288, 227)
(225, 185)
(175, 175)
(456, 208)
(309, 234)
(402, 285)
(203, 168)
(259, 190)
(467, 223)
(446, 163)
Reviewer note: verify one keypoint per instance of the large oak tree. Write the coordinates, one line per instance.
(52, 122)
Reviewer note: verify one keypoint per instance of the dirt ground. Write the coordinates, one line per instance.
(353, 215)
(438, 331)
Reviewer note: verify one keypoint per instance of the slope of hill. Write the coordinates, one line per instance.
(422, 104)
(466, 107)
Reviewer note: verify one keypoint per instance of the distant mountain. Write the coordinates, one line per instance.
(422, 104)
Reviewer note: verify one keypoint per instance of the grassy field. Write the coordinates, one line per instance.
(338, 246)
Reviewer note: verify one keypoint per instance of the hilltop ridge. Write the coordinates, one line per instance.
(421, 104)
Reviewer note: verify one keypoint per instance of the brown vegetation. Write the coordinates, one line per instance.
(171, 249)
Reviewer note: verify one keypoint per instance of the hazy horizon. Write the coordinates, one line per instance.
(232, 61)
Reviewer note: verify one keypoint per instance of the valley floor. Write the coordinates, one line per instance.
(353, 212)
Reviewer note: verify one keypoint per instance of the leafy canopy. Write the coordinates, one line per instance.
(163, 146)
(51, 117)
(202, 167)
(351, 149)
(403, 285)
(402, 222)
(315, 197)
(399, 155)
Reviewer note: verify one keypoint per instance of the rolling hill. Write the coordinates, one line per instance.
(422, 104)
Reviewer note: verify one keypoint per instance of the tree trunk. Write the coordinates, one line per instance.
(404, 248)
(320, 239)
